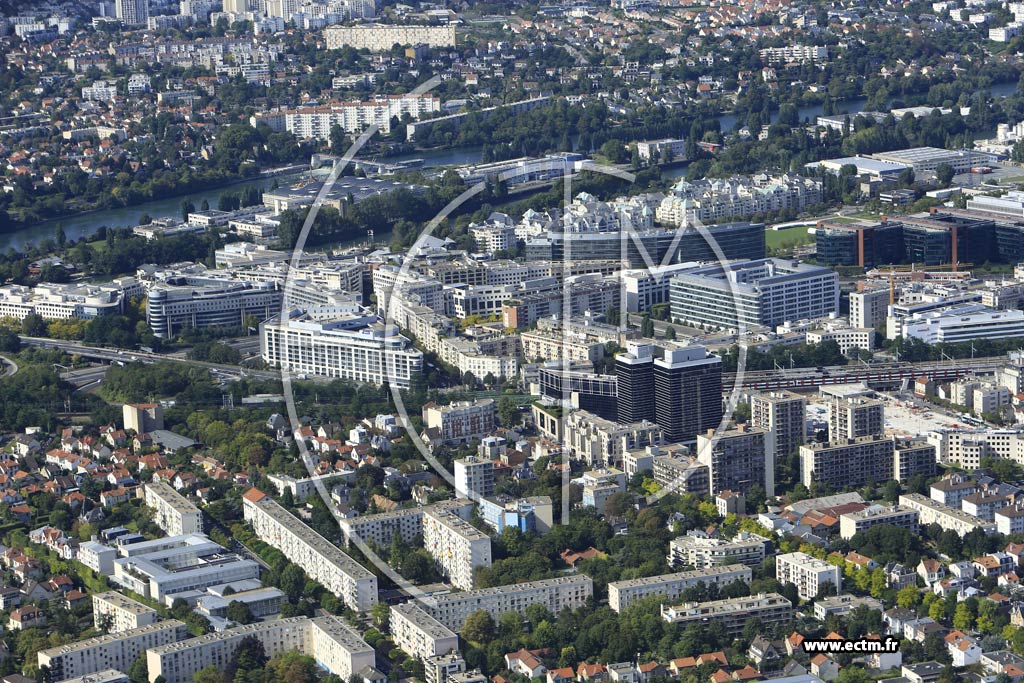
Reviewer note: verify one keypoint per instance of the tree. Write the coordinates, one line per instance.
(670, 333)
(9, 341)
(944, 174)
(33, 325)
(479, 627)
(508, 411)
(239, 612)
(963, 620)
(293, 581)
(908, 597)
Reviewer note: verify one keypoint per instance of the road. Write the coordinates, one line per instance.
(120, 356)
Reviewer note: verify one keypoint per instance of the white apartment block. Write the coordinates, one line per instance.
(461, 421)
(554, 346)
(379, 529)
(420, 634)
(967, 448)
(853, 523)
(474, 477)
(114, 651)
(771, 609)
(564, 592)
(360, 351)
(100, 91)
(846, 337)
(105, 676)
(1010, 519)
(301, 489)
(773, 56)
(621, 594)
(333, 645)
(723, 198)
(599, 442)
(808, 574)
(381, 38)
(701, 551)
(456, 545)
(172, 512)
(319, 558)
(352, 117)
(868, 308)
(117, 613)
(932, 512)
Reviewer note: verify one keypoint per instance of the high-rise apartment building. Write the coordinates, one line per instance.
(132, 12)
(854, 417)
(783, 414)
(738, 459)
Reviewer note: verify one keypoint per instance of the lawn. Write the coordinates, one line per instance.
(790, 237)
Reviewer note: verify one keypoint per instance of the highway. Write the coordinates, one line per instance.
(120, 356)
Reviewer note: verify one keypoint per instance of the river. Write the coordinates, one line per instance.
(84, 224)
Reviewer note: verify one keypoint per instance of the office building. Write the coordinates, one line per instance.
(770, 609)
(687, 392)
(172, 511)
(847, 463)
(649, 286)
(564, 592)
(634, 371)
(697, 549)
(474, 477)
(748, 294)
(858, 244)
(621, 594)
(356, 348)
(457, 546)
(782, 413)
(460, 421)
(331, 643)
(143, 418)
(162, 568)
(923, 159)
(659, 246)
(585, 390)
(419, 634)
(381, 38)
(855, 417)
(319, 558)
(200, 303)
(853, 523)
(952, 519)
(114, 613)
(809, 574)
(114, 651)
(738, 459)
